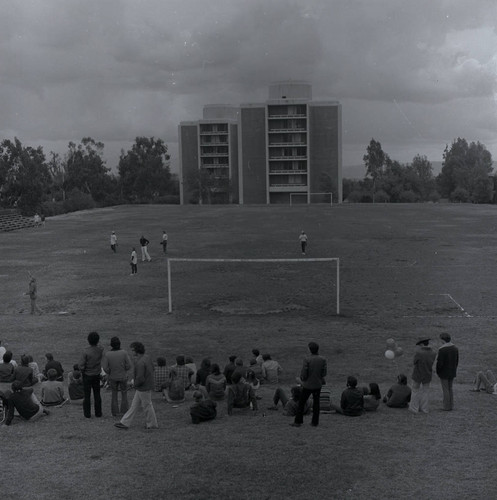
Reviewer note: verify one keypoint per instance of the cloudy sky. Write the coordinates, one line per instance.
(412, 74)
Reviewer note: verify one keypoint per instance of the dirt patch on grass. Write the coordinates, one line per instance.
(243, 307)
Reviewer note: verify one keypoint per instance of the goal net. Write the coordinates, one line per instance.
(304, 198)
(255, 286)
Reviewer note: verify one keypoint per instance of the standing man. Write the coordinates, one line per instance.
(134, 262)
(90, 365)
(144, 244)
(421, 376)
(33, 295)
(116, 364)
(144, 384)
(447, 361)
(303, 241)
(312, 375)
(113, 241)
(164, 241)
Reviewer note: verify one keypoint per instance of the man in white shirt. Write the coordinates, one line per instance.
(113, 241)
(303, 241)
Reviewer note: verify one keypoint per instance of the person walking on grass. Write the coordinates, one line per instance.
(303, 241)
(113, 241)
(144, 246)
(144, 384)
(447, 361)
(90, 365)
(312, 375)
(421, 376)
(134, 261)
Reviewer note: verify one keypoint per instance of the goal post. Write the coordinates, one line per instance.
(325, 195)
(324, 259)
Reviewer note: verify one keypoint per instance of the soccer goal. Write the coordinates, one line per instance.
(325, 198)
(249, 261)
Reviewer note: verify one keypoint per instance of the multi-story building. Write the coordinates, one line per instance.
(289, 144)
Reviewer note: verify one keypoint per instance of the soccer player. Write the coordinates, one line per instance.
(144, 245)
(134, 262)
(164, 241)
(113, 241)
(303, 241)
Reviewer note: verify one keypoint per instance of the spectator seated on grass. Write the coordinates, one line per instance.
(485, 382)
(52, 390)
(7, 368)
(254, 382)
(240, 368)
(289, 405)
(203, 372)
(202, 410)
(52, 363)
(36, 370)
(352, 400)
(24, 373)
(256, 367)
(182, 372)
(229, 369)
(75, 389)
(257, 356)
(399, 395)
(372, 397)
(161, 374)
(215, 384)
(270, 370)
(189, 363)
(22, 400)
(240, 394)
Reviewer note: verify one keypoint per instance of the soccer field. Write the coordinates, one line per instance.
(405, 271)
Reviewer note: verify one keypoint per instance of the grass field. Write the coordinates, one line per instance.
(406, 271)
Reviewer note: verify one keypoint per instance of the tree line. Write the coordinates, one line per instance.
(466, 176)
(80, 179)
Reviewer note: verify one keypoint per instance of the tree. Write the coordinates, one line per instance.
(144, 170)
(207, 186)
(86, 168)
(58, 174)
(24, 176)
(467, 167)
(374, 161)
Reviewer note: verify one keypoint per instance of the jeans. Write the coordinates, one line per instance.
(92, 382)
(448, 395)
(117, 386)
(419, 397)
(141, 400)
(316, 393)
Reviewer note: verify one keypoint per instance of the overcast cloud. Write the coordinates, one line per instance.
(413, 75)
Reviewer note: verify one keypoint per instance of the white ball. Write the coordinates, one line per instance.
(389, 354)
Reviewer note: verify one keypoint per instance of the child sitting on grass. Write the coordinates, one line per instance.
(289, 405)
(52, 390)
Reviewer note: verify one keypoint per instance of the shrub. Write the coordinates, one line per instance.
(77, 200)
(167, 199)
(51, 208)
(355, 196)
(381, 196)
(408, 197)
(459, 195)
(434, 196)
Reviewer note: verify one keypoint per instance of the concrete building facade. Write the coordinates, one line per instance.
(288, 144)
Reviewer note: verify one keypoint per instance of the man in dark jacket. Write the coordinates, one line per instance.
(22, 400)
(312, 377)
(447, 361)
(90, 365)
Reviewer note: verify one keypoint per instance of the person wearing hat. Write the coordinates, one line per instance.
(117, 364)
(421, 376)
(21, 399)
(447, 361)
(113, 241)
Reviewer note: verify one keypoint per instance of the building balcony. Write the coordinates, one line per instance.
(211, 166)
(215, 132)
(286, 130)
(212, 155)
(287, 116)
(287, 158)
(287, 144)
(283, 171)
(288, 188)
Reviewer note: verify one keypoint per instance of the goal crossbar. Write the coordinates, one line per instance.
(319, 259)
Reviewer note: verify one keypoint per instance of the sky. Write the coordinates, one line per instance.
(414, 75)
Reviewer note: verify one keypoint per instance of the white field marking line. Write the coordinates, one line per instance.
(461, 308)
